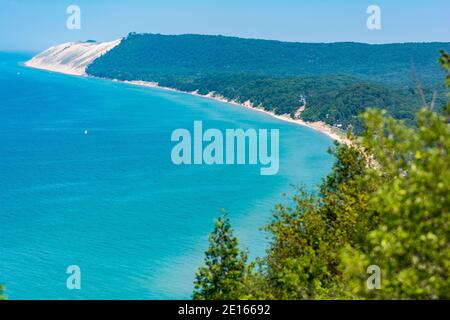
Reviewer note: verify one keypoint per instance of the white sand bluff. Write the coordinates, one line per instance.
(71, 57)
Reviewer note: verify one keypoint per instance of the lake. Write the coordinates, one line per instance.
(86, 179)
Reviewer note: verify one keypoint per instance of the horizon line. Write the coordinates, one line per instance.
(230, 36)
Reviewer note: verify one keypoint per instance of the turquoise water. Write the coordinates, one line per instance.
(111, 201)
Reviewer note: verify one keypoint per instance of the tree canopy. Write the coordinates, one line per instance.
(222, 276)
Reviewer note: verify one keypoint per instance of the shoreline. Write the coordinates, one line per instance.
(318, 126)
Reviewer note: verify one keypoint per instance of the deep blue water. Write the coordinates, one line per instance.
(111, 201)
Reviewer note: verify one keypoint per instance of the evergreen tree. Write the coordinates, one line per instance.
(223, 274)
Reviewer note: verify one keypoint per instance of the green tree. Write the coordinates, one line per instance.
(304, 256)
(444, 60)
(411, 242)
(223, 275)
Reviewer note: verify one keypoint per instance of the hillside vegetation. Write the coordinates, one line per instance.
(339, 80)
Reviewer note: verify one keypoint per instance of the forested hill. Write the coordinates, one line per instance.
(338, 79)
(204, 55)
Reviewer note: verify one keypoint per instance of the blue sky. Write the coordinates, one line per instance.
(37, 24)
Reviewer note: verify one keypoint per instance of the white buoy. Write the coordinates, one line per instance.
(85, 132)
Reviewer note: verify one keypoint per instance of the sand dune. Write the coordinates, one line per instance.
(71, 57)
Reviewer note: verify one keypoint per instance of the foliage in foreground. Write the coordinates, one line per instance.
(411, 243)
(222, 276)
(386, 203)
